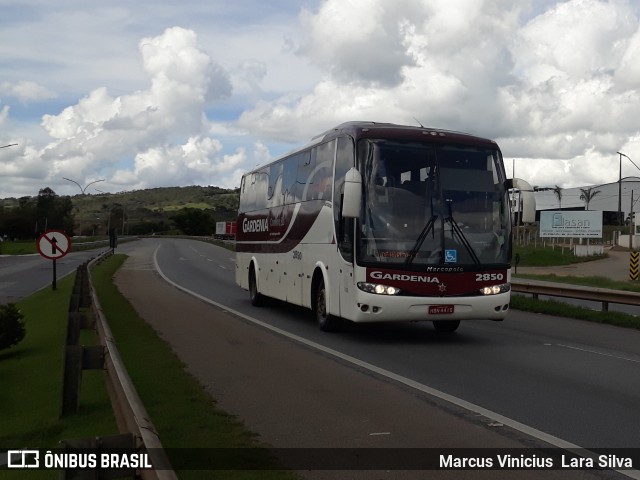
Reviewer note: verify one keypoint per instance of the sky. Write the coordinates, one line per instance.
(154, 93)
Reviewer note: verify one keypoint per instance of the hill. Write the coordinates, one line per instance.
(145, 211)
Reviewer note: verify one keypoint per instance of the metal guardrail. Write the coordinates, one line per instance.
(603, 295)
(131, 415)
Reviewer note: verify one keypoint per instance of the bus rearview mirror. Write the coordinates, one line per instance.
(352, 194)
(527, 199)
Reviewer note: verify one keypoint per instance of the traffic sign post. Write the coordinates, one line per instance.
(54, 244)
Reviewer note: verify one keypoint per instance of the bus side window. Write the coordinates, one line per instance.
(243, 195)
(248, 192)
(343, 226)
(261, 188)
(289, 178)
(324, 168)
(305, 167)
(274, 193)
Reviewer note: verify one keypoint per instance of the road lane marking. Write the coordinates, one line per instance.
(598, 353)
(495, 417)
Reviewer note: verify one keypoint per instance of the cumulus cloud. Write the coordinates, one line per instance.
(198, 160)
(26, 91)
(560, 86)
(100, 130)
(4, 114)
(556, 83)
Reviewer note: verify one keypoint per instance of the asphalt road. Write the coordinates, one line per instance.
(531, 380)
(21, 275)
(574, 380)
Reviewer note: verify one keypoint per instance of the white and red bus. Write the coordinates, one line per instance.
(377, 222)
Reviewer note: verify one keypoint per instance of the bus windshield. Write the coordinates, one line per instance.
(432, 204)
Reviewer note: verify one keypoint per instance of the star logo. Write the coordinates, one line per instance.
(442, 288)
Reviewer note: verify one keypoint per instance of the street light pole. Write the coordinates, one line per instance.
(10, 145)
(620, 184)
(86, 186)
(620, 189)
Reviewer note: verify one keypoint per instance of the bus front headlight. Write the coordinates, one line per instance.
(495, 289)
(378, 289)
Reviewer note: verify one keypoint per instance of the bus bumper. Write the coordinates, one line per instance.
(381, 308)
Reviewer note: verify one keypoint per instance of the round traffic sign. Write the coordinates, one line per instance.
(54, 244)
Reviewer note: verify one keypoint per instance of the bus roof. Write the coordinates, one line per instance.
(361, 129)
(365, 129)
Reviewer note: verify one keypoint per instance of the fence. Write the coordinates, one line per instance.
(138, 432)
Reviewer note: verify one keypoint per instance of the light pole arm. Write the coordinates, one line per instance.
(83, 190)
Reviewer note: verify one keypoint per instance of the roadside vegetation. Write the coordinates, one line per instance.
(31, 374)
(546, 257)
(189, 210)
(189, 423)
(182, 411)
(556, 308)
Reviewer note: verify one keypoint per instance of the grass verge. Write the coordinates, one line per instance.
(553, 307)
(182, 411)
(18, 248)
(598, 282)
(31, 379)
(548, 256)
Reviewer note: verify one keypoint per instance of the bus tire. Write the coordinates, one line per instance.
(446, 326)
(257, 299)
(326, 321)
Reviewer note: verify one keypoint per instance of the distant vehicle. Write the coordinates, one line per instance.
(225, 230)
(382, 223)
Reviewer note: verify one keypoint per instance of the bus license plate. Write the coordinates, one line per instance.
(440, 309)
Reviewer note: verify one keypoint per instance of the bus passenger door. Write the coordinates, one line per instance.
(347, 294)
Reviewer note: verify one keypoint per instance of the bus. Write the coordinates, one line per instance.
(377, 222)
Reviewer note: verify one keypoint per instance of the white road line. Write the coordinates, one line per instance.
(491, 415)
(598, 353)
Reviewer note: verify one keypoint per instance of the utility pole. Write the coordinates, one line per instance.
(632, 226)
(620, 190)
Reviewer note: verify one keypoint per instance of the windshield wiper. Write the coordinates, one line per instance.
(421, 238)
(455, 229)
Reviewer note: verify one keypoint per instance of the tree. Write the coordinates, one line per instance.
(558, 193)
(54, 211)
(193, 221)
(587, 195)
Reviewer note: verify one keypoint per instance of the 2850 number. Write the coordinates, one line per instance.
(487, 277)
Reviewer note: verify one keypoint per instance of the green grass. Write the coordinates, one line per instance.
(182, 411)
(28, 247)
(598, 282)
(18, 248)
(175, 208)
(31, 379)
(556, 308)
(548, 257)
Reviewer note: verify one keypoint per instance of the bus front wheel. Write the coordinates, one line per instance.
(257, 299)
(446, 326)
(326, 321)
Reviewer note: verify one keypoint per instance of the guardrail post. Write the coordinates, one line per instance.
(76, 357)
(97, 445)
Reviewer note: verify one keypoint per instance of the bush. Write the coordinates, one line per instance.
(12, 329)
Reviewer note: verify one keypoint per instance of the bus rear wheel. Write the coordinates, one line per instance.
(326, 322)
(257, 299)
(446, 326)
